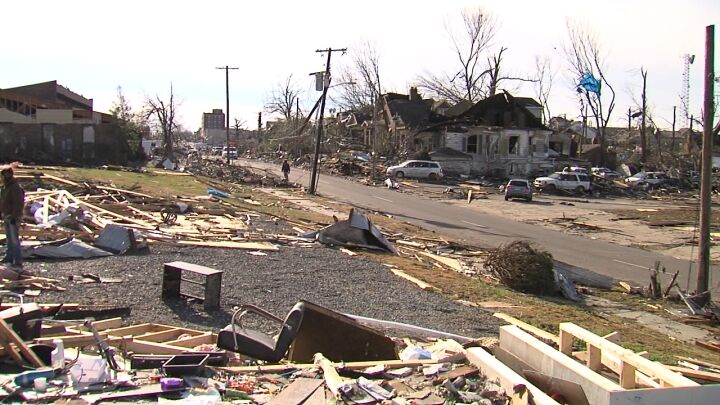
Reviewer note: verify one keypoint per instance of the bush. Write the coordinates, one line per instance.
(522, 267)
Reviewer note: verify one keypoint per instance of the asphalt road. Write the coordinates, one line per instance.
(604, 258)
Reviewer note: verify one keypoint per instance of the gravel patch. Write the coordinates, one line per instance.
(274, 282)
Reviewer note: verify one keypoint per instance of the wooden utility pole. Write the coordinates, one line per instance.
(706, 170)
(629, 115)
(672, 145)
(326, 84)
(227, 108)
(643, 135)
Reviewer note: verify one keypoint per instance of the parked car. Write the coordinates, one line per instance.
(606, 173)
(216, 150)
(569, 181)
(518, 188)
(646, 179)
(423, 169)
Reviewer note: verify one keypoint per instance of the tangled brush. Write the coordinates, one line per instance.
(522, 267)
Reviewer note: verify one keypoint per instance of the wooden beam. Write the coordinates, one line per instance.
(545, 336)
(10, 336)
(137, 329)
(629, 360)
(494, 369)
(448, 261)
(165, 335)
(205, 338)
(423, 285)
(145, 347)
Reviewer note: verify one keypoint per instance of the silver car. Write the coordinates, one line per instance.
(518, 188)
(423, 169)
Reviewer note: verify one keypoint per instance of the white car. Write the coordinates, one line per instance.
(578, 182)
(606, 173)
(232, 151)
(646, 178)
(422, 169)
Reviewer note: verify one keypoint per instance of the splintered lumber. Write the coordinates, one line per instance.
(135, 193)
(509, 380)
(448, 261)
(708, 345)
(423, 285)
(230, 244)
(9, 336)
(545, 336)
(700, 362)
(332, 379)
(697, 374)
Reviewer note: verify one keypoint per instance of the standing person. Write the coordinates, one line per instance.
(286, 169)
(12, 202)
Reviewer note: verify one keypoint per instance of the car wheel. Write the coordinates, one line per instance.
(507, 198)
(399, 175)
(433, 176)
(580, 189)
(550, 188)
(529, 199)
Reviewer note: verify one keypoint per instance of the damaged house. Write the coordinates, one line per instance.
(48, 123)
(504, 135)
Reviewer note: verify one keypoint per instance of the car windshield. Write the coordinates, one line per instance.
(555, 176)
(518, 183)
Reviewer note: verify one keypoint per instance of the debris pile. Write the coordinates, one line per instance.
(522, 267)
(234, 173)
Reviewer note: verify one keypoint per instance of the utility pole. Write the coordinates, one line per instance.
(643, 135)
(326, 84)
(672, 144)
(227, 108)
(703, 277)
(629, 115)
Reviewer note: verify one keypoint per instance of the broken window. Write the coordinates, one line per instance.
(556, 146)
(513, 145)
(48, 136)
(66, 146)
(472, 144)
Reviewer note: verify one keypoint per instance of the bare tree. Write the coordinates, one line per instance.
(586, 61)
(364, 75)
(162, 114)
(544, 77)
(283, 98)
(466, 83)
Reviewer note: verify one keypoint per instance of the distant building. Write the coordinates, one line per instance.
(214, 119)
(48, 123)
(213, 130)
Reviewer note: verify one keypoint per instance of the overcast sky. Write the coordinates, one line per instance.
(92, 47)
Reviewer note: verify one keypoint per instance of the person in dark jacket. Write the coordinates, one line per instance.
(286, 170)
(12, 202)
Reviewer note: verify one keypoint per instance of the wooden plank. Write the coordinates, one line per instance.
(700, 362)
(317, 398)
(698, 374)
(707, 345)
(448, 261)
(110, 213)
(137, 329)
(628, 358)
(545, 336)
(494, 369)
(165, 335)
(135, 193)
(145, 347)
(423, 285)
(10, 336)
(297, 392)
(205, 338)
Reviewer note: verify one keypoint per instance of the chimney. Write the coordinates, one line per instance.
(414, 95)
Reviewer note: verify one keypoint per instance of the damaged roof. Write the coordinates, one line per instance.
(503, 110)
